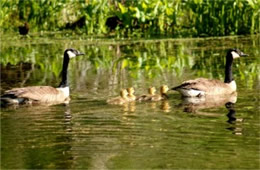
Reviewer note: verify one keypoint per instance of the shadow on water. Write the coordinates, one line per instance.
(90, 134)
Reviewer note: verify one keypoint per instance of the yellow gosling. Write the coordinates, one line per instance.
(131, 97)
(145, 97)
(120, 99)
(162, 96)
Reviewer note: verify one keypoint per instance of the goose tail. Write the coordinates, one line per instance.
(7, 100)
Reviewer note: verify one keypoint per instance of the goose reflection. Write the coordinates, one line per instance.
(232, 113)
(195, 104)
(67, 119)
(232, 120)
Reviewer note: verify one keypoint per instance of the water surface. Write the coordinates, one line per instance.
(88, 133)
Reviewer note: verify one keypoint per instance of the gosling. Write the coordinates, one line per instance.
(120, 99)
(162, 96)
(145, 97)
(131, 97)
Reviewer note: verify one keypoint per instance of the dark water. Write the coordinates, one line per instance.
(90, 134)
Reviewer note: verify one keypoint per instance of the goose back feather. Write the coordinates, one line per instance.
(202, 86)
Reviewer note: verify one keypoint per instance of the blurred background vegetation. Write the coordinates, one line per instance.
(134, 18)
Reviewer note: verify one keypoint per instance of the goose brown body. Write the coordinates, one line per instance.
(202, 86)
(39, 94)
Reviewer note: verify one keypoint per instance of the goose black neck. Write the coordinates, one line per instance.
(228, 68)
(64, 73)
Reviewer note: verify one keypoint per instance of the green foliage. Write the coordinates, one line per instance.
(136, 18)
(225, 17)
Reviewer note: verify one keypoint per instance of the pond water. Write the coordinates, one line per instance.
(90, 134)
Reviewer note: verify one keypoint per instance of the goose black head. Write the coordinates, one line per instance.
(236, 53)
(70, 52)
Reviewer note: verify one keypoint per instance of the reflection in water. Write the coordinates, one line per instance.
(162, 105)
(233, 120)
(64, 140)
(152, 105)
(41, 137)
(129, 107)
(67, 120)
(195, 104)
(165, 106)
(15, 75)
(232, 113)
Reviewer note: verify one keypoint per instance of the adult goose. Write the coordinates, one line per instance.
(201, 86)
(43, 94)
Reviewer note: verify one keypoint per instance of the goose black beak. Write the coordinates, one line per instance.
(80, 53)
(243, 54)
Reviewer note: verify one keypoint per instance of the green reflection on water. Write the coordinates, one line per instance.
(91, 134)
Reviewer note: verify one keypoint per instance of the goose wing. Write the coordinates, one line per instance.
(36, 93)
(202, 84)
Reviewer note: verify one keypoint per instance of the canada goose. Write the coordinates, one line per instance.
(162, 95)
(151, 92)
(120, 99)
(43, 94)
(23, 30)
(131, 96)
(201, 86)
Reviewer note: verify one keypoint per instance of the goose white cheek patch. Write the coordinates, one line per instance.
(71, 54)
(234, 54)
